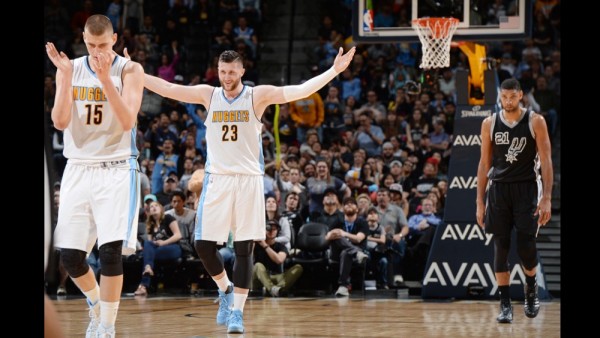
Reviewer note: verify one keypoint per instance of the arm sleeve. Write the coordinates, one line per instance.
(297, 92)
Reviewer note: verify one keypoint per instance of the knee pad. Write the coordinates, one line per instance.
(74, 262)
(243, 248)
(501, 248)
(242, 268)
(110, 259)
(527, 250)
(210, 256)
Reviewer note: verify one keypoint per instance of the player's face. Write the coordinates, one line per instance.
(230, 75)
(510, 99)
(99, 43)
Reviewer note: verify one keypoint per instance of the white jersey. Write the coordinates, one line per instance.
(233, 135)
(94, 132)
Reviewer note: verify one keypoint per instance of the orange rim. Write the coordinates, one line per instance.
(440, 27)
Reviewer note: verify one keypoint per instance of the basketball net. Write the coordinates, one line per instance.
(435, 35)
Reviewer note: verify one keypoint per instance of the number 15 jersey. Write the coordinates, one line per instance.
(94, 132)
(233, 135)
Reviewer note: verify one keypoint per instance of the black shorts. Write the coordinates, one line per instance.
(511, 205)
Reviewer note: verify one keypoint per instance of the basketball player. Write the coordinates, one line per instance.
(514, 143)
(96, 104)
(233, 188)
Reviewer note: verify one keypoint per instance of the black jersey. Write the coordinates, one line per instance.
(514, 151)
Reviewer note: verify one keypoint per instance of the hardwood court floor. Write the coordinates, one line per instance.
(316, 317)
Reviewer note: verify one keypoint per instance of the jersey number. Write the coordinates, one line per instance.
(97, 114)
(226, 130)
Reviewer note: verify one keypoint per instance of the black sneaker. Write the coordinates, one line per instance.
(506, 313)
(532, 302)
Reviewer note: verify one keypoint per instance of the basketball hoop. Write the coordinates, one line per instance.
(435, 35)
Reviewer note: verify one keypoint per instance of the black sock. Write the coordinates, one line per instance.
(530, 280)
(504, 292)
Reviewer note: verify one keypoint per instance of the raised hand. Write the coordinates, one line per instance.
(101, 64)
(60, 60)
(342, 62)
(126, 54)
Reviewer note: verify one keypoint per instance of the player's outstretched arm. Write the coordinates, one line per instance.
(266, 94)
(63, 99)
(191, 94)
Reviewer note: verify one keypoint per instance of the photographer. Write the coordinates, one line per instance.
(269, 257)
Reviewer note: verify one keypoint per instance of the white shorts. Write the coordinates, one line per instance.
(231, 202)
(98, 200)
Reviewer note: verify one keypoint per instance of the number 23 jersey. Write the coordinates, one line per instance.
(233, 135)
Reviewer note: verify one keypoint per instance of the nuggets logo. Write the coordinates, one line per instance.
(231, 116)
(88, 94)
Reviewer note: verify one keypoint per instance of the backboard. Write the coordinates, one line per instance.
(479, 19)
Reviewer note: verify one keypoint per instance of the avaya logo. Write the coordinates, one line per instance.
(443, 273)
(460, 182)
(468, 232)
(467, 140)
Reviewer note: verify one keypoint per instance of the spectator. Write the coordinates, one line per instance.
(348, 240)
(317, 185)
(272, 214)
(162, 243)
(368, 136)
(268, 271)
(308, 113)
(377, 249)
(393, 220)
(186, 219)
(169, 185)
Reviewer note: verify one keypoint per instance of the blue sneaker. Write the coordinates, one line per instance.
(92, 329)
(225, 305)
(235, 323)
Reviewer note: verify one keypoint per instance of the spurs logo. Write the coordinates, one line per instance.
(516, 147)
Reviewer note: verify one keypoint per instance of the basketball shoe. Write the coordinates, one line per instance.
(225, 305)
(532, 302)
(506, 312)
(94, 322)
(104, 332)
(235, 322)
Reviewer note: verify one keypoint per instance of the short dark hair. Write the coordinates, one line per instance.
(230, 56)
(510, 84)
(349, 199)
(179, 193)
(292, 193)
(372, 210)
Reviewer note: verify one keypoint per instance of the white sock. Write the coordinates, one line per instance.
(108, 312)
(93, 296)
(239, 300)
(223, 283)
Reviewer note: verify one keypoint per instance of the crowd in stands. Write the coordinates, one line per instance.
(368, 148)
